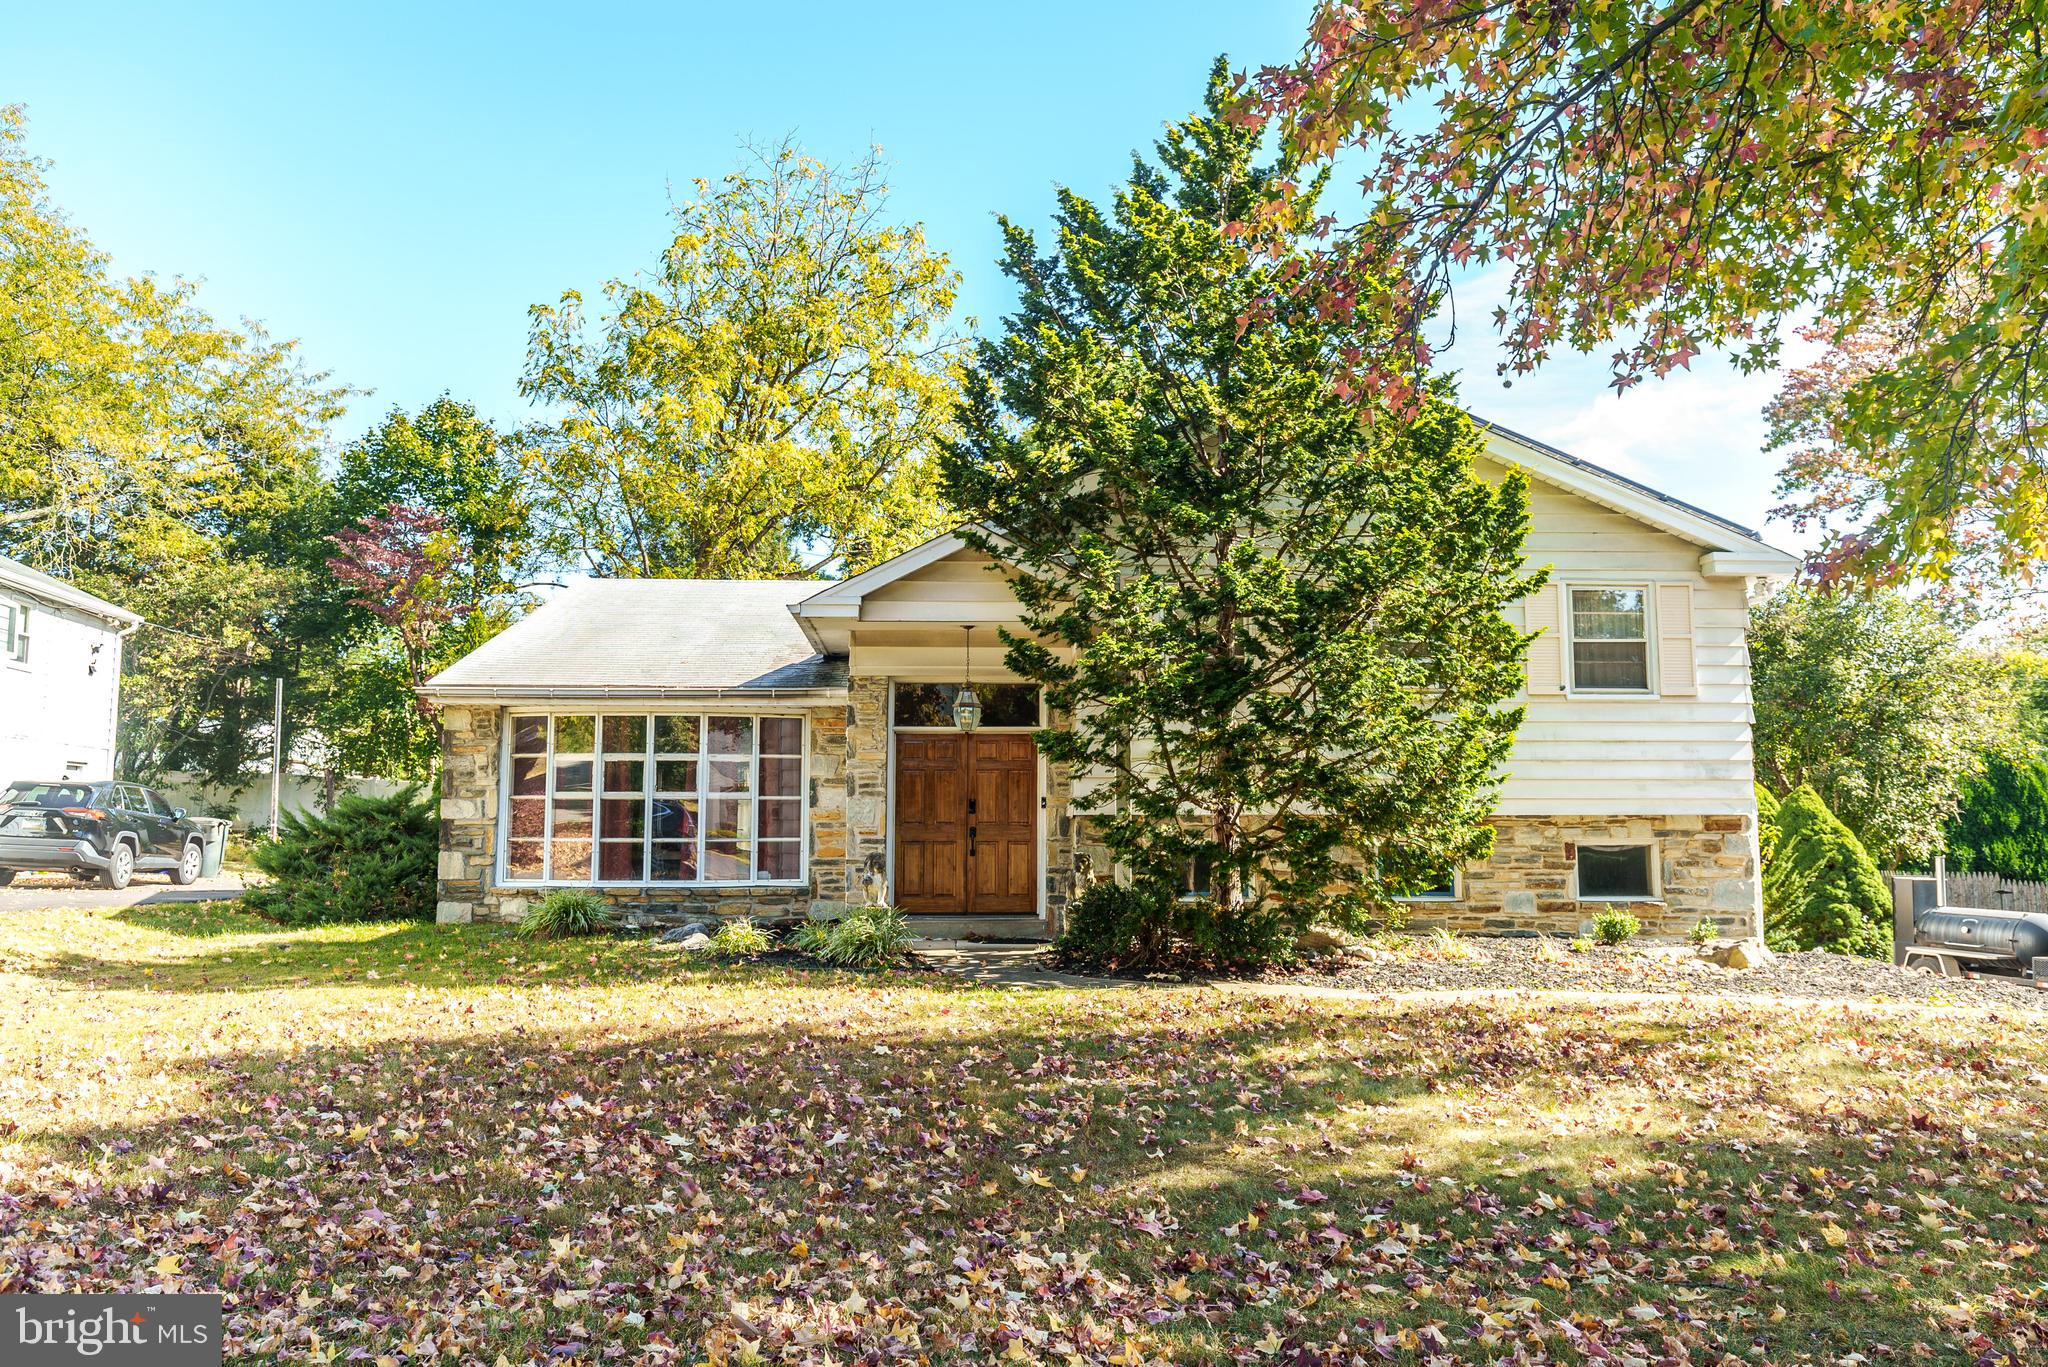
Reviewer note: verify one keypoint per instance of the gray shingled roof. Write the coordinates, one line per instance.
(651, 637)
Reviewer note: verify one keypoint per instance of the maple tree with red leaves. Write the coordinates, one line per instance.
(1668, 177)
(403, 567)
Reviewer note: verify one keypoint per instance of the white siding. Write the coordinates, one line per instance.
(1585, 755)
(57, 708)
(1608, 755)
(959, 588)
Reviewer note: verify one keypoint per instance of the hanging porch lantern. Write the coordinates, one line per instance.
(967, 707)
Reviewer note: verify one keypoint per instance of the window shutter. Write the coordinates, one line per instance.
(1546, 652)
(1677, 667)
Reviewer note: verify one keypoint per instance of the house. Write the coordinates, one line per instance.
(775, 747)
(60, 677)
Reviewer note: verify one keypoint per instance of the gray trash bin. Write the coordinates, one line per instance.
(216, 833)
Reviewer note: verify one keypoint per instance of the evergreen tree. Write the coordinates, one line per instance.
(1272, 627)
(1823, 890)
(2002, 825)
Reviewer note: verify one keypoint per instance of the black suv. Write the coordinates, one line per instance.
(112, 829)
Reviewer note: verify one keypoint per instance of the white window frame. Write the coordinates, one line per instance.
(1656, 893)
(14, 640)
(1569, 627)
(1456, 894)
(647, 794)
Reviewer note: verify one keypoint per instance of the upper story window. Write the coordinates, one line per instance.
(663, 798)
(14, 631)
(1610, 639)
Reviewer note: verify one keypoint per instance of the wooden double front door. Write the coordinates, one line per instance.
(966, 823)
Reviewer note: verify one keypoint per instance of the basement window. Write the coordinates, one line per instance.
(1617, 873)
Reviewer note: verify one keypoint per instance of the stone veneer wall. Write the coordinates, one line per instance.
(1708, 870)
(849, 838)
(470, 745)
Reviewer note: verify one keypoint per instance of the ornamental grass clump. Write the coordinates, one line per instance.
(865, 937)
(569, 912)
(741, 939)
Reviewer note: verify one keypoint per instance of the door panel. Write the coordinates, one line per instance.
(931, 823)
(966, 824)
(1004, 820)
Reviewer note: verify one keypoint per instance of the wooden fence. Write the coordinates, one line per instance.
(1989, 892)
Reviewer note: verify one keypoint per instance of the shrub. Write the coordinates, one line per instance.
(370, 859)
(865, 937)
(1616, 926)
(1145, 926)
(1702, 932)
(740, 939)
(1114, 925)
(568, 912)
(1822, 890)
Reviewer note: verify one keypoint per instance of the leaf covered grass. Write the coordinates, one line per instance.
(419, 1143)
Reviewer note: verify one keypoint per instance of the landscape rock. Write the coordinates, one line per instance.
(1743, 954)
(689, 937)
(1318, 942)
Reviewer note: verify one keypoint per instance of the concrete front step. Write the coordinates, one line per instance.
(978, 927)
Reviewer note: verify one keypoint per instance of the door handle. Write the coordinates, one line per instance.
(970, 842)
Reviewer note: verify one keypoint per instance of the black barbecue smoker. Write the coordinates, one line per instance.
(1959, 942)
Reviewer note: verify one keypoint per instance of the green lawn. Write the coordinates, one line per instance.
(427, 1143)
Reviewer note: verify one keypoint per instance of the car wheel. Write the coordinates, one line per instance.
(6, 877)
(188, 865)
(120, 865)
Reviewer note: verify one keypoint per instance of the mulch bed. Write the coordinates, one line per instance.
(1513, 963)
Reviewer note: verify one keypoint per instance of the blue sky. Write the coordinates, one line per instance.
(397, 185)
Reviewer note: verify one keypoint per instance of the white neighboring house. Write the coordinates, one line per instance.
(60, 677)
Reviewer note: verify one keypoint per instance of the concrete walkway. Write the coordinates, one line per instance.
(1019, 967)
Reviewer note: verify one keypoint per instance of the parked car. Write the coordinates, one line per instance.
(114, 830)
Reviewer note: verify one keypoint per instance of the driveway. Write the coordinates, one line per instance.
(40, 892)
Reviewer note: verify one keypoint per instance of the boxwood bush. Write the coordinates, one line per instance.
(370, 859)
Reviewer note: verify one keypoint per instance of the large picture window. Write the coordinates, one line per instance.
(667, 798)
(1610, 640)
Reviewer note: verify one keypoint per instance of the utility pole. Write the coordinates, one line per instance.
(276, 755)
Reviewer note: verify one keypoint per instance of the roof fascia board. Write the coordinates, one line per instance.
(515, 693)
(847, 593)
(1645, 507)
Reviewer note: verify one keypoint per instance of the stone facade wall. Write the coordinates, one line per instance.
(1708, 864)
(1707, 870)
(471, 740)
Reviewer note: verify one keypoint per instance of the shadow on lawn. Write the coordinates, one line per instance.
(223, 950)
(1188, 1114)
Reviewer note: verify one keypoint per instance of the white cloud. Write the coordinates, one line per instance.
(1696, 434)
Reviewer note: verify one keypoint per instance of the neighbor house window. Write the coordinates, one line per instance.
(931, 704)
(668, 798)
(13, 631)
(1617, 873)
(1610, 631)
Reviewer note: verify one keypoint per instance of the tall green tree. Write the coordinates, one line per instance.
(1875, 702)
(431, 551)
(1666, 176)
(767, 401)
(2001, 825)
(166, 461)
(1275, 627)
